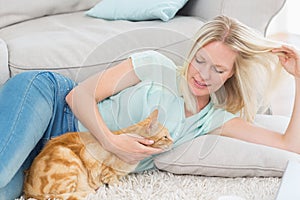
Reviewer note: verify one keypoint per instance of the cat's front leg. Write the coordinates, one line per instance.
(95, 174)
(113, 170)
(100, 174)
(109, 175)
(93, 167)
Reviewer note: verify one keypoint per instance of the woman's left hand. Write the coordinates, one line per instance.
(289, 57)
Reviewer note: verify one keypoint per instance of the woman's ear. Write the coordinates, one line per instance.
(232, 71)
(231, 74)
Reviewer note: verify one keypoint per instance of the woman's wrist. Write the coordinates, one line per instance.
(106, 139)
(297, 89)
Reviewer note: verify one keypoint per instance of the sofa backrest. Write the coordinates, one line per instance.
(255, 13)
(15, 11)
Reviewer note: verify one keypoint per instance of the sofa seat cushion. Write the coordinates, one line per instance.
(77, 45)
(4, 72)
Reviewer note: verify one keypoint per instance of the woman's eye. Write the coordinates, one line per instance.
(200, 61)
(216, 70)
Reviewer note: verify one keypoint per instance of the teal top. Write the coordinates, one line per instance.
(158, 89)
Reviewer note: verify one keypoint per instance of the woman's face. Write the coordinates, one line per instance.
(210, 68)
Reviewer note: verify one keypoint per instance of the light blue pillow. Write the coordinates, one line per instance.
(136, 10)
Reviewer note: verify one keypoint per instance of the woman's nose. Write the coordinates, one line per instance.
(204, 72)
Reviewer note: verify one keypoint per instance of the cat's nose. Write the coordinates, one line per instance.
(167, 147)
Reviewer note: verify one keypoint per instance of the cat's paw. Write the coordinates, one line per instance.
(109, 176)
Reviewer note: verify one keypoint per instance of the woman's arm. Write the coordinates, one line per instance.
(83, 101)
(240, 129)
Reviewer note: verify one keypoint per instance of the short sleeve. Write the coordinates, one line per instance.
(217, 118)
(154, 66)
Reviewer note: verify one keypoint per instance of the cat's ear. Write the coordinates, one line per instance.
(153, 120)
(154, 115)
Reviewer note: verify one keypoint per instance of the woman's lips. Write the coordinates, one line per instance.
(200, 84)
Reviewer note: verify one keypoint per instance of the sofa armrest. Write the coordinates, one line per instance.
(255, 13)
(4, 71)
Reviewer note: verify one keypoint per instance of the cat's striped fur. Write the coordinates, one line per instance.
(74, 164)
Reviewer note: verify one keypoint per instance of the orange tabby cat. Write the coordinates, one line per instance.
(74, 164)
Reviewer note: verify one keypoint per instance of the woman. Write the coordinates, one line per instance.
(217, 90)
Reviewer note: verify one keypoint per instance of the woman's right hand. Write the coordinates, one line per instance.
(129, 148)
(289, 57)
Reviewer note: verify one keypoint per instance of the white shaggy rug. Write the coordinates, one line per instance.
(163, 185)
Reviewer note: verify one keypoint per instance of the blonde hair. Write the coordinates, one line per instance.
(256, 69)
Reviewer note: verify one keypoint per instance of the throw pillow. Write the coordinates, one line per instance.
(213, 155)
(136, 10)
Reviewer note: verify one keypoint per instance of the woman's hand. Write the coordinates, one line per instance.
(289, 57)
(130, 148)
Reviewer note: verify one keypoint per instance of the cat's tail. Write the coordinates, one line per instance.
(72, 196)
(63, 196)
(67, 196)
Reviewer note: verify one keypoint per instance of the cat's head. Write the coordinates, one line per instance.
(155, 131)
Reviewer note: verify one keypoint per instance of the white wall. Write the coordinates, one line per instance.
(287, 20)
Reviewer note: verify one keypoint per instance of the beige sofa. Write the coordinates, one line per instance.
(57, 35)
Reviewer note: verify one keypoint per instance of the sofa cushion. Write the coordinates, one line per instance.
(77, 45)
(15, 11)
(136, 9)
(4, 72)
(240, 9)
(213, 155)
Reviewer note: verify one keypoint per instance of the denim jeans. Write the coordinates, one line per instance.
(32, 110)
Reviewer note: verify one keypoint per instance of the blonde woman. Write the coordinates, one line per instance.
(224, 81)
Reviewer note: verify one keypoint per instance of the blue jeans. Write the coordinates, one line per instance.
(32, 110)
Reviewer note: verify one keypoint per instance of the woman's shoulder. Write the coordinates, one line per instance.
(147, 53)
(216, 117)
(152, 57)
(156, 67)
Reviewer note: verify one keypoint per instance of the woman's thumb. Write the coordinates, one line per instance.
(141, 139)
(145, 141)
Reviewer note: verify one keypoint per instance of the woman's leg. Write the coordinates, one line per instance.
(14, 188)
(32, 110)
